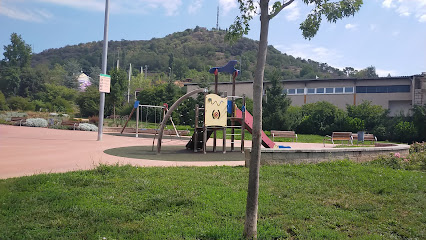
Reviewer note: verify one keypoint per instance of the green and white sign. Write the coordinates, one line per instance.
(104, 83)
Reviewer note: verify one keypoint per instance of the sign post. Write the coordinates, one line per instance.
(104, 71)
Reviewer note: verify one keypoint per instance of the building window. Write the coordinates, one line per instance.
(284, 91)
(349, 89)
(291, 91)
(329, 90)
(338, 90)
(300, 91)
(320, 90)
(383, 89)
(311, 90)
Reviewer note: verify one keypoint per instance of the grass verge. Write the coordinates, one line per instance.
(338, 200)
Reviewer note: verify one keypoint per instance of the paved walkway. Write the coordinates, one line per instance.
(28, 151)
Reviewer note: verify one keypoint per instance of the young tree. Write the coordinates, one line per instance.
(275, 105)
(118, 88)
(332, 11)
(73, 70)
(18, 53)
(94, 75)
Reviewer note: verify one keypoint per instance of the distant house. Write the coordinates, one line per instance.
(398, 94)
(83, 82)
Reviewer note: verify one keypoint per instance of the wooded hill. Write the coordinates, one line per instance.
(189, 54)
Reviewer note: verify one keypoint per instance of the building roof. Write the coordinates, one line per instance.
(321, 79)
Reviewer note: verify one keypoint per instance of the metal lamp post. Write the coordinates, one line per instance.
(104, 70)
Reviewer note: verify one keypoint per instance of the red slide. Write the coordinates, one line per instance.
(266, 141)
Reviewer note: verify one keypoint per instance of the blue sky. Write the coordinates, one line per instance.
(387, 34)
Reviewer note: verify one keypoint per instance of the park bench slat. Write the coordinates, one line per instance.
(339, 136)
(284, 134)
(73, 124)
(367, 137)
(18, 119)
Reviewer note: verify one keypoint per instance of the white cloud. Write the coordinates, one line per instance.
(195, 6)
(227, 5)
(292, 12)
(316, 53)
(387, 4)
(351, 26)
(28, 15)
(406, 8)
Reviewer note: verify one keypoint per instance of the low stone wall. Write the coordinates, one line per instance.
(298, 156)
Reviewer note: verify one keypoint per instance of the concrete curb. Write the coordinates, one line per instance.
(298, 156)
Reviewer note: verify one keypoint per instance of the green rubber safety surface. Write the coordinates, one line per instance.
(175, 153)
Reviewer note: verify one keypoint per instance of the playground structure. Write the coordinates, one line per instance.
(215, 116)
(139, 118)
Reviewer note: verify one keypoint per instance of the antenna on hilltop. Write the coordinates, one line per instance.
(217, 19)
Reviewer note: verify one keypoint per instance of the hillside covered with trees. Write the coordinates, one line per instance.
(186, 55)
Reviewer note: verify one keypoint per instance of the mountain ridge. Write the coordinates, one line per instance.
(187, 54)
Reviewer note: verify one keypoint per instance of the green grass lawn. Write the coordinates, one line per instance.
(339, 200)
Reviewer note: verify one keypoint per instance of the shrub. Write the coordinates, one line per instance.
(88, 102)
(418, 147)
(3, 105)
(36, 122)
(20, 103)
(321, 118)
(404, 131)
(354, 124)
(419, 121)
(94, 119)
(87, 127)
(414, 161)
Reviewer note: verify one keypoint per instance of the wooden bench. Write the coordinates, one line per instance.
(340, 136)
(284, 134)
(18, 119)
(73, 124)
(367, 137)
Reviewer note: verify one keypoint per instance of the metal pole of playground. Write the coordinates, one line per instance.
(104, 69)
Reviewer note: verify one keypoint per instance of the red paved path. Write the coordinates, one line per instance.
(28, 151)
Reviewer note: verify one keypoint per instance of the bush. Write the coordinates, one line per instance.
(419, 121)
(94, 119)
(418, 147)
(36, 122)
(404, 132)
(354, 124)
(87, 127)
(321, 118)
(20, 103)
(416, 160)
(3, 105)
(88, 102)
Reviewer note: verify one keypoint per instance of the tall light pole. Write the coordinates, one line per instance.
(128, 87)
(104, 70)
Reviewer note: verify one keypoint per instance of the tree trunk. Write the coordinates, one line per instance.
(114, 113)
(250, 227)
